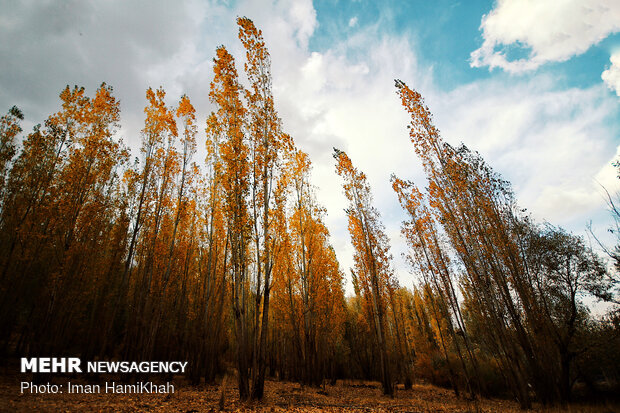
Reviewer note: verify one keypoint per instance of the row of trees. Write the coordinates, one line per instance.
(504, 284)
(227, 262)
(160, 258)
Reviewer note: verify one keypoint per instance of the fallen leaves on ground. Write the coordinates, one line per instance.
(280, 396)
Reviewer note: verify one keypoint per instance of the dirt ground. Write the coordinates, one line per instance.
(279, 397)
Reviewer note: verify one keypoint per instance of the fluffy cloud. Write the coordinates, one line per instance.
(611, 76)
(328, 100)
(130, 45)
(553, 145)
(552, 30)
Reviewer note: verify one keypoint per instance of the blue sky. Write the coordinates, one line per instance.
(533, 86)
(446, 32)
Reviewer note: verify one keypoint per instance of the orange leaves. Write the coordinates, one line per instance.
(105, 108)
(424, 136)
(344, 166)
(186, 112)
(258, 63)
(228, 122)
(159, 119)
(225, 88)
(309, 295)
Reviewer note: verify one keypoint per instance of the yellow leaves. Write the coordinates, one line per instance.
(105, 108)
(257, 66)
(159, 119)
(186, 110)
(247, 28)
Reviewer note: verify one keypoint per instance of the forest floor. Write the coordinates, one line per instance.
(282, 396)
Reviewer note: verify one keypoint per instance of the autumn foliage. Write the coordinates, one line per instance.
(227, 262)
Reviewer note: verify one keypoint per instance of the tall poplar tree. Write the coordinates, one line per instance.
(372, 257)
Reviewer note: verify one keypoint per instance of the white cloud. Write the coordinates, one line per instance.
(608, 175)
(47, 45)
(551, 144)
(328, 100)
(353, 21)
(302, 17)
(553, 30)
(611, 76)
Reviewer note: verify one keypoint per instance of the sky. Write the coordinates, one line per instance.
(534, 86)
